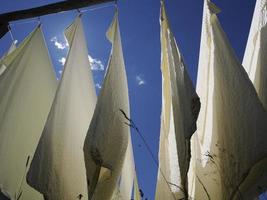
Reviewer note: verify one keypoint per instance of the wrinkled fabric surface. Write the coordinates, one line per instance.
(255, 59)
(229, 147)
(180, 107)
(27, 88)
(107, 138)
(58, 168)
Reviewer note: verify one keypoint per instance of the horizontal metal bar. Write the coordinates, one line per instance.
(5, 18)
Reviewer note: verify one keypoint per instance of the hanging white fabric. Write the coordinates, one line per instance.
(137, 195)
(27, 88)
(180, 107)
(124, 187)
(58, 169)
(128, 173)
(229, 147)
(107, 138)
(128, 178)
(255, 59)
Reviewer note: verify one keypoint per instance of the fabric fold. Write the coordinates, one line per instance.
(255, 60)
(58, 168)
(180, 107)
(27, 88)
(107, 138)
(229, 147)
(128, 173)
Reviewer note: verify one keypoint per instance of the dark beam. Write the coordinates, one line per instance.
(44, 10)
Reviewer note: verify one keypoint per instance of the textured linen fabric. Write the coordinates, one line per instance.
(58, 168)
(107, 138)
(180, 107)
(27, 88)
(255, 59)
(229, 147)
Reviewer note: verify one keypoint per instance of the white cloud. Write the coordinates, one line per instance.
(58, 44)
(62, 60)
(96, 64)
(98, 86)
(140, 80)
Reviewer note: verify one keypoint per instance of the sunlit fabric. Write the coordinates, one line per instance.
(107, 138)
(125, 184)
(137, 195)
(180, 107)
(255, 59)
(229, 147)
(27, 88)
(128, 173)
(58, 168)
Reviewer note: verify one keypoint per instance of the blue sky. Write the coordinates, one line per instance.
(139, 23)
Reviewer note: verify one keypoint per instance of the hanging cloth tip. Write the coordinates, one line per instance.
(116, 3)
(79, 13)
(39, 22)
(10, 32)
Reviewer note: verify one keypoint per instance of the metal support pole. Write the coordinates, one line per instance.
(44, 10)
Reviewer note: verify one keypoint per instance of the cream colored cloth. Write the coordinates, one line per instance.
(58, 168)
(27, 88)
(128, 179)
(180, 107)
(255, 59)
(124, 186)
(128, 173)
(137, 195)
(107, 138)
(229, 147)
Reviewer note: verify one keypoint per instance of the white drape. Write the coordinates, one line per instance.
(107, 137)
(180, 107)
(58, 168)
(255, 59)
(137, 195)
(128, 173)
(128, 177)
(229, 147)
(27, 88)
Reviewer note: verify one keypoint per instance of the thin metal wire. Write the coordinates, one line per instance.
(96, 8)
(10, 33)
(25, 22)
(131, 124)
(38, 19)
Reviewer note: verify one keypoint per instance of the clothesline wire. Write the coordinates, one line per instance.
(131, 124)
(10, 33)
(37, 19)
(96, 8)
